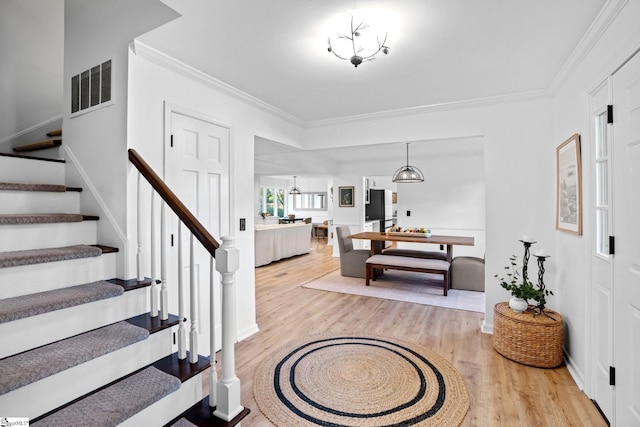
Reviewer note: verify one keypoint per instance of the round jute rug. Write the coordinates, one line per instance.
(360, 380)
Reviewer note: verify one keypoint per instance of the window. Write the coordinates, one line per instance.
(272, 201)
(602, 184)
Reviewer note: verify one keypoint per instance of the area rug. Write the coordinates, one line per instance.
(419, 288)
(361, 380)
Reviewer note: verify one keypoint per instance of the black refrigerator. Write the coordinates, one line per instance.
(380, 208)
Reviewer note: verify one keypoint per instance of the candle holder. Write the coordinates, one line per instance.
(541, 286)
(525, 260)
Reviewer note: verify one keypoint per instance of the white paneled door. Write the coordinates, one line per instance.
(602, 260)
(626, 156)
(197, 168)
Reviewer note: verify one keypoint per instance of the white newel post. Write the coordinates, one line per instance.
(228, 388)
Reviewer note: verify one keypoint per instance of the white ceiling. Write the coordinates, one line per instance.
(442, 51)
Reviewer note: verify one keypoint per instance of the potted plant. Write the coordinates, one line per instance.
(521, 289)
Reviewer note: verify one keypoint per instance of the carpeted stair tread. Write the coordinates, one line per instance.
(116, 403)
(46, 218)
(39, 256)
(34, 365)
(44, 302)
(39, 145)
(17, 186)
(183, 422)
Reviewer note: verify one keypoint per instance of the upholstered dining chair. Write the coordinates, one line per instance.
(352, 261)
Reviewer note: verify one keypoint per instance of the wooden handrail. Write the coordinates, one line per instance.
(192, 223)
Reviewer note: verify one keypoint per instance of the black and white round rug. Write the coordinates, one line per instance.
(360, 380)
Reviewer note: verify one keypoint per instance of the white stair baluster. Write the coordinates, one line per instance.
(164, 303)
(213, 374)
(228, 388)
(139, 231)
(153, 293)
(193, 335)
(182, 332)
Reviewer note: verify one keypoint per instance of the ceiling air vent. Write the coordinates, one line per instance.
(91, 88)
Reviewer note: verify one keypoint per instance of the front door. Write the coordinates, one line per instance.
(626, 156)
(197, 166)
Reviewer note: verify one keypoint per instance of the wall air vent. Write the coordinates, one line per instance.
(91, 88)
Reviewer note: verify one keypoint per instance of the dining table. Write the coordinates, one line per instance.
(378, 238)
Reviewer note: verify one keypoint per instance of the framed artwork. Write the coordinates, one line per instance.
(569, 186)
(345, 195)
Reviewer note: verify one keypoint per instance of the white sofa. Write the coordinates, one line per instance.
(278, 241)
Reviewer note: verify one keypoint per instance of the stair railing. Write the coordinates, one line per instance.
(224, 395)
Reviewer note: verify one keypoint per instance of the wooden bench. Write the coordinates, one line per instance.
(421, 265)
(416, 253)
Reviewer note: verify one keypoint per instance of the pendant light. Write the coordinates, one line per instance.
(295, 190)
(408, 174)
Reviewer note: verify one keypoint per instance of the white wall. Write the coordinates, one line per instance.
(154, 80)
(31, 67)
(451, 200)
(98, 139)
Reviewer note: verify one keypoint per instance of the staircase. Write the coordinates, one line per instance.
(80, 346)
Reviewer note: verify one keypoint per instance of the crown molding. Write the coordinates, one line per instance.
(153, 55)
(599, 26)
(424, 109)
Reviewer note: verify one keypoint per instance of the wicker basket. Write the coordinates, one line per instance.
(528, 338)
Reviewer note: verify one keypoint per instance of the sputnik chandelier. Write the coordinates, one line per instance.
(359, 45)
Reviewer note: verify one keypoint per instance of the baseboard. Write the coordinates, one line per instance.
(575, 373)
(248, 332)
(487, 328)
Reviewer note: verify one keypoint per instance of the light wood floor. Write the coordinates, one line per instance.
(502, 392)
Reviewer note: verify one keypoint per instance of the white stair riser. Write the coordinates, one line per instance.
(95, 374)
(20, 202)
(29, 171)
(60, 324)
(28, 279)
(41, 236)
(165, 410)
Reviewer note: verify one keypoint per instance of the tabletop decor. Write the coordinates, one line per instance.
(411, 231)
(359, 380)
(518, 284)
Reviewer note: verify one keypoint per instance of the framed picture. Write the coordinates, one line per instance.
(569, 186)
(345, 195)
